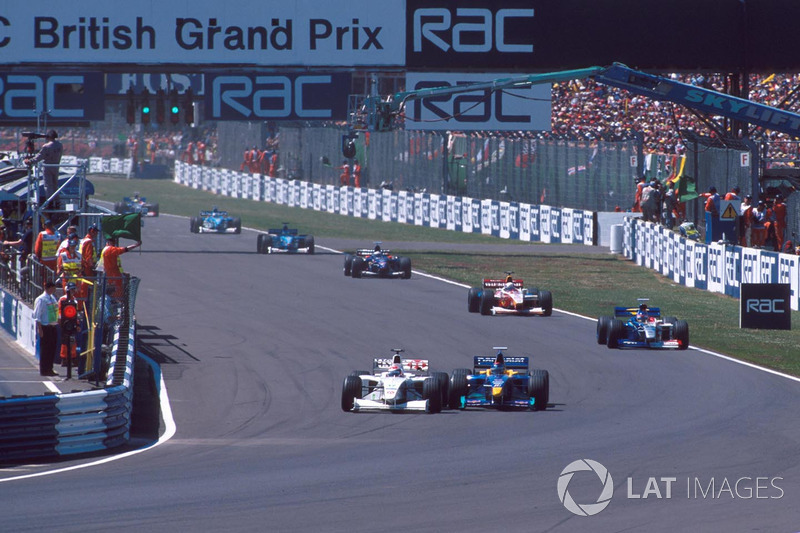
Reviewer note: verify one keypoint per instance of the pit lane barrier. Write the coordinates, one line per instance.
(72, 423)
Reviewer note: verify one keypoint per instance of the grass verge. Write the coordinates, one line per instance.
(588, 284)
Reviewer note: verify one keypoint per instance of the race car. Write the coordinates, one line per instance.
(500, 382)
(284, 240)
(395, 384)
(136, 204)
(376, 262)
(215, 221)
(642, 327)
(508, 297)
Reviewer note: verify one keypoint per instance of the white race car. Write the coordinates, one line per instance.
(509, 297)
(396, 384)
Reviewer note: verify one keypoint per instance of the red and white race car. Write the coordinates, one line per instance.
(508, 297)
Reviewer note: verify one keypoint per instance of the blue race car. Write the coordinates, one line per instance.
(215, 221)
(284, 240)
(499, 382)
(378, 263)
(136, 204)
(642, 327)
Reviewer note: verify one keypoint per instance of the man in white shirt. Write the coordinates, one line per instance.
(45, 316)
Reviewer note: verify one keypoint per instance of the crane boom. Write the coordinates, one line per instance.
(713, 102)
(381, 112)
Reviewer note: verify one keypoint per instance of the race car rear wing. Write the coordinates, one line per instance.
(213, 213)
(279, 231)
(627, 312)
(500, 283)
(417, 366)
(482, 362)
(366, 252)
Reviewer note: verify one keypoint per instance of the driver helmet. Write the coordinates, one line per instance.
(641, 316)
(377, 248)
(395, 370)
(498, 369)
(509, 285)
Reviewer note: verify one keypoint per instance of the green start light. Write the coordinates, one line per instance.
(146, 109)
(175, 110)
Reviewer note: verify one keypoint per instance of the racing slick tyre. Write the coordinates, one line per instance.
(405, 267)
(487, 302)
(444, 385)
(458, 386)
(260, 243)
(681, 332)
(348, 264)
(616, 330)
(539, 389)
(154, 210)
(310, 244)
(432, 391)
(237, 225)
(194, 225)
(546, 301)
(119, 207)
(351, 389)
(603, 323)
(358, 266)
(474, 300)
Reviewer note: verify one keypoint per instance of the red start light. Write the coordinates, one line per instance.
(70, 311)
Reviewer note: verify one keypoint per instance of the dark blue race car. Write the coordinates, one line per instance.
(215, 221)
(642, 327)
(378, 263)
(499, 382)
(284, 240)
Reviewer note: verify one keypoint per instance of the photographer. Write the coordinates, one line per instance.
(50, 154)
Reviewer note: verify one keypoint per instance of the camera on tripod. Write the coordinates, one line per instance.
(30, 148)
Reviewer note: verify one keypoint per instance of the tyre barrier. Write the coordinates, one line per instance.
(73, 423)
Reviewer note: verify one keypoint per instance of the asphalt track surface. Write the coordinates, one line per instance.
(254, 349)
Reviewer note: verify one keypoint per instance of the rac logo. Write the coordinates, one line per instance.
(765, 305)
(441, 28)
